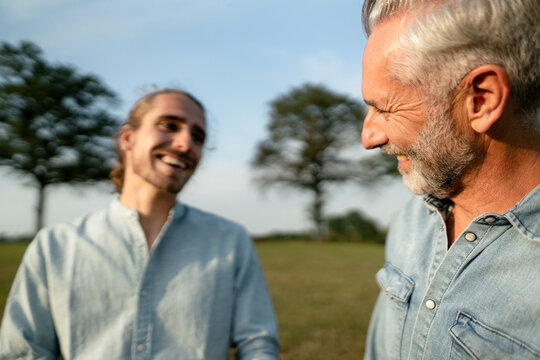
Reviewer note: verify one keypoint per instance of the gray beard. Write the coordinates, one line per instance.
(441, 156)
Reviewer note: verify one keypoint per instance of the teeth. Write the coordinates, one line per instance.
(402, 157)
(173, 161)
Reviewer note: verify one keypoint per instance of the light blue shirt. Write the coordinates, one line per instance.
(478, 300)
(93, 290)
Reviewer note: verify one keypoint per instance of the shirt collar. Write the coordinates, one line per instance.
(437, 204)
(524, 216)
(176, 212)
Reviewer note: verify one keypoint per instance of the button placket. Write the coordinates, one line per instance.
(139, 244)
(470, 236)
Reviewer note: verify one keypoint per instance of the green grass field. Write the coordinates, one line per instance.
(323, 294)
(10, 257)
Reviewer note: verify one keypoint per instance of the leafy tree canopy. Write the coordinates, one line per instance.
(54, 123)
(311, 133)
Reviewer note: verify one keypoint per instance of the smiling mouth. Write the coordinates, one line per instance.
(402, 157)
(174, 162)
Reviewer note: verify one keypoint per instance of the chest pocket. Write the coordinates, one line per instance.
(397, 289)
(475, 340)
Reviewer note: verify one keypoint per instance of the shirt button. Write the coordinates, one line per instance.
(130, 214)
(140, 347)
(144, 293)
(430, 304)
(140, 244)
(490, 219)
(470, 236)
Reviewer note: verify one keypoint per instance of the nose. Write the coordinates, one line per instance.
(182, 140)
(373, 135)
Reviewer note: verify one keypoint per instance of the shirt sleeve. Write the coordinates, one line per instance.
(254, 329)
(27, 326)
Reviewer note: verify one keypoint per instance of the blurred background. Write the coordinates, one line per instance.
(244, 59)
(236, 56)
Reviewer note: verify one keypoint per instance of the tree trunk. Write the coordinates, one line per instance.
(317, 213)
(39, 208)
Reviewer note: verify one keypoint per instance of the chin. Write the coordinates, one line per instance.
(169, 187)
(420, 185)
(173, 188)
(171, 184)
(415, 184)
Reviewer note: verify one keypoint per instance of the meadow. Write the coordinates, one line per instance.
(323, 293)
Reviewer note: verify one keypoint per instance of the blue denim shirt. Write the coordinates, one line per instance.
(93, 290)
(478, 300)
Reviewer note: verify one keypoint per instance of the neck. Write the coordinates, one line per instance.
(152, 205)
(502, 179)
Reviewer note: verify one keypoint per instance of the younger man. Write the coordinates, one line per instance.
(147, 277)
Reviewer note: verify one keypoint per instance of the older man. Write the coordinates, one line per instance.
(453, 90)
(148, 277)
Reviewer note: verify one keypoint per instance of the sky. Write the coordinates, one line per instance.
(234, 55)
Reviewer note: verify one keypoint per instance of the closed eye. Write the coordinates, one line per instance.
(375, 106)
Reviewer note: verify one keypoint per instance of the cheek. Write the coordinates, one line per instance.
(413, 119)
(153, 140)
(141, 150)
(197, 153)
(460, 117)
(401, 132)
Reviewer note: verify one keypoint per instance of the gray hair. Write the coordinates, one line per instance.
(446, 39)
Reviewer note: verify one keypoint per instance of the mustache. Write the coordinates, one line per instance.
(411, 152)
(392, 149)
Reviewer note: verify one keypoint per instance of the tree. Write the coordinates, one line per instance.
(309, 132)
(54, 127)
(353, 226)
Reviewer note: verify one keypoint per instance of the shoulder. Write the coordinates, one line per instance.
(414, 211)
(412, 232)
(79, 224)
(214, 235)
(61, 236)
(206, 221)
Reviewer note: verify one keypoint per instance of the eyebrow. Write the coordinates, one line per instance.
(374, 104)
(371, 103)
(173, 117)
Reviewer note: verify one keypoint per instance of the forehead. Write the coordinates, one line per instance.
(377, 55)
(177, 105)
(381, 42)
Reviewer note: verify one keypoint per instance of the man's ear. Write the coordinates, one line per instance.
(487, 92)
(124, 137)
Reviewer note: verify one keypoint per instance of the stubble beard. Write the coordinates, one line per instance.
(441, 156)
(167, 184)
(171, 184)
(173, 187)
